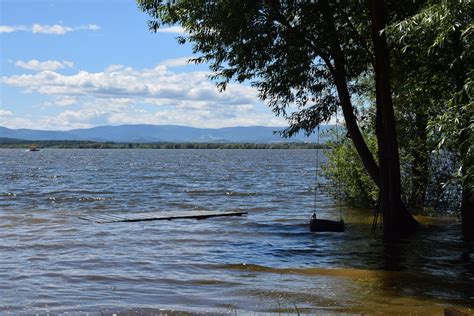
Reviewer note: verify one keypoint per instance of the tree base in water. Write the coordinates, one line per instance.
(403, 224)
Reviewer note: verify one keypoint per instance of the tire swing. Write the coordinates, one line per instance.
(325, 225)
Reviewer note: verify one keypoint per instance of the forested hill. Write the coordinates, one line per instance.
(162, 133)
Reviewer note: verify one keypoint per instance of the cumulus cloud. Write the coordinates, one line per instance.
(37, 65)
(90, 114)
(209, 119)
(125, 95)
(5, 113)
(18, 122)
(55, 29)
(115, 81)
(61, 101)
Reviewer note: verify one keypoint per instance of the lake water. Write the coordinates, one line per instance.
(263, 262)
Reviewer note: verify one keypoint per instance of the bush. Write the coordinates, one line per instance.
(349, 180)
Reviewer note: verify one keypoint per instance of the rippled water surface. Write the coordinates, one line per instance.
(266, 261)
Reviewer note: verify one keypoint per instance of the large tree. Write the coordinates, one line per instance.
(311, 54)
(439, 41)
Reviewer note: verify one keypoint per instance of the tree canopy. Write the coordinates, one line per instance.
(434, 53)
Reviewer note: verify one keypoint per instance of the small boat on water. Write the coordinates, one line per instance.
(33, 147)
(324, 225)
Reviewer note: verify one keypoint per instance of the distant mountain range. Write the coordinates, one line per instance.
(162, 133)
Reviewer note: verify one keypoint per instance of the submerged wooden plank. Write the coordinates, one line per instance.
(154, 216)
(105, 216)
(91, 218)
(102, 217)
(114, 216)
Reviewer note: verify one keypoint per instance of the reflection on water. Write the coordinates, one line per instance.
(264, 262)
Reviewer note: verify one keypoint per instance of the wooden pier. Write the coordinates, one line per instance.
(103, 217)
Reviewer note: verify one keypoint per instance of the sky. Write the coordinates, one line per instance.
(69, 64)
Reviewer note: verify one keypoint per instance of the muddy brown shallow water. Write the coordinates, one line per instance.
(265, 262)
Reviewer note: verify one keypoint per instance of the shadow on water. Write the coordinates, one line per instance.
(420, 274)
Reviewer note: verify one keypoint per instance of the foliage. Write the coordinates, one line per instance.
(350, 182)
(443, 190)
(455, 129)
(348, 178)
(434, 60)
(283, 48)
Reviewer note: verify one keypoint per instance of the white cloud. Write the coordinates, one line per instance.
(51, 29)
(158, 82)
(88, 27)
(61, 101)
(177, 62)
(13, 28)
(209, 118)
(18, 122)
(44, 65)
(172, 29)
(124, 95)
(55, 29)
(113, 68)
(5, 113)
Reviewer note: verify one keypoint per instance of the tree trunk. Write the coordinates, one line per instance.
(388, 179)
(340, 80)
(395, 216)
(351, 123)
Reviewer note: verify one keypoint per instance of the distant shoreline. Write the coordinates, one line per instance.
(60, 144)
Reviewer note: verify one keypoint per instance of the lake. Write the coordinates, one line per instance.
(263, 262)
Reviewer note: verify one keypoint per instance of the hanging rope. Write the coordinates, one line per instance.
(316, 176)
(339, 200)
(338, 191)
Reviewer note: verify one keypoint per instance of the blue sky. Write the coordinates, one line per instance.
(84, 63)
